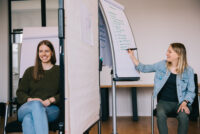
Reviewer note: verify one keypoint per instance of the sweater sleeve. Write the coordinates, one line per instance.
(23, 88)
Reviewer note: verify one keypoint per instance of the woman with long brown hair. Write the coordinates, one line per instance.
(173, 85)
(38, 91)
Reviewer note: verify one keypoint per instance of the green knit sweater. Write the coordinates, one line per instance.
(45, 88)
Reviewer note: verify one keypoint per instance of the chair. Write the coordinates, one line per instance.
(16, 126)
(2, 111)
(30, 37)
(195, 107)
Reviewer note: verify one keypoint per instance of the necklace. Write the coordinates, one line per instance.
(47, 67)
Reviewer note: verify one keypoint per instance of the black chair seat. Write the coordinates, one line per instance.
(53, 126)
(16, 126)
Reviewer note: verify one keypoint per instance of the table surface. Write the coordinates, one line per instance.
(134, 85)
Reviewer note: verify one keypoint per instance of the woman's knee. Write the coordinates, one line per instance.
(160, 114)
(35, 105)
(183, 117)
(30, 107)
(52, 113)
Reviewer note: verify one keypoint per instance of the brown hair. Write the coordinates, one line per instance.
(38, 71)
(179, 48)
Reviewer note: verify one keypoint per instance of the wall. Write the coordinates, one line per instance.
(155, 25)
(28, 13)
(4, 44)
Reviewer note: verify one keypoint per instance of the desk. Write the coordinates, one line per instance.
(105, 98)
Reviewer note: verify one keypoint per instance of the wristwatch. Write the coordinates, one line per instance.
(186, 101)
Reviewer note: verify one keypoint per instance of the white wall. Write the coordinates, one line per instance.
(124, 101)
(4, 67)
(155, 25)
(28, 13)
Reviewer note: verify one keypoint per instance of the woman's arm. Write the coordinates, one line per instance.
(22, 91)
(133, 58)
(190, 92)
(142, 67)
(49, 101)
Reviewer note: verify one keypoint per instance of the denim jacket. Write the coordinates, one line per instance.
(184, 82)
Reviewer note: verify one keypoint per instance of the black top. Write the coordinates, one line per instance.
(169, 90)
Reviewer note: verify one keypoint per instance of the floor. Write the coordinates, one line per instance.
(125, 125)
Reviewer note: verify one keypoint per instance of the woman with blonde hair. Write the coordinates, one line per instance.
(173, 85)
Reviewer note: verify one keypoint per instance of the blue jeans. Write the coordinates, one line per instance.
(35, 117)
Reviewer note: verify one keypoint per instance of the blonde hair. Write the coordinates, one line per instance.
(179, 48)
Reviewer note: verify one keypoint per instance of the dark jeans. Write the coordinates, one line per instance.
(166, 107)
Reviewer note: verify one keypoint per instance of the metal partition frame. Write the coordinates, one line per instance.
(114, 76)
(61, 35)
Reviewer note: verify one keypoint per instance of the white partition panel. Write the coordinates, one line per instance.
(81, 65)
(121, 37)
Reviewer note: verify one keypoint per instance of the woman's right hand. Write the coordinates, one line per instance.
(130, 52)
(44, 103)
(132, 56)
(34, 99)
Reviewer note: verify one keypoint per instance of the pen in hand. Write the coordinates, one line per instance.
(131, 49)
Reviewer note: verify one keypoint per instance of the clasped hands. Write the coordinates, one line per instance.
(45, 103)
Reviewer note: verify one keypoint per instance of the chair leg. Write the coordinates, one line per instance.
(86, 132)
(152, 125)
(6, 117)
(199, 110)
(152, 118)
(99, 126)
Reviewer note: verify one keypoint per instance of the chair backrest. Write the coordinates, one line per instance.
(195, 105)
(2, 109)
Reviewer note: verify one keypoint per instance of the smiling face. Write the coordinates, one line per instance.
(45, 54)
(171, 55)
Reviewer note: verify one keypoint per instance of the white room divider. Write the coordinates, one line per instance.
(82, 102)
